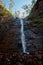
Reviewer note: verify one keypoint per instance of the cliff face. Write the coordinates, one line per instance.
(9, 31)
(37, 11)
(10, 35)
(34, 27)
(5, 15)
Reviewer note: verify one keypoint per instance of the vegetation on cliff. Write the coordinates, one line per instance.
(5, 15)
(4, 12)
(36, 15)
(5, 19)
(36, 22)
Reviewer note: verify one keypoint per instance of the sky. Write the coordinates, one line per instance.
(18, 5)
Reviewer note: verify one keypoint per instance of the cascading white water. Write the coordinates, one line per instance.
(23, 37)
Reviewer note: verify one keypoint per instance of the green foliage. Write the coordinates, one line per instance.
(3, 11)
(36, 21)
(11, 4)
(27, 8)
(33, 1)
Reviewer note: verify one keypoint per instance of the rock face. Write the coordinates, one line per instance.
(34, 27)
(37, 11)
(33, 37)
(9, 31)
(10, 35)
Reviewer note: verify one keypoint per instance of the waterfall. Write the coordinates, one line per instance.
(23, 37)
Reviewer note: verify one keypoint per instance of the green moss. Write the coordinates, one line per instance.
(36, 21)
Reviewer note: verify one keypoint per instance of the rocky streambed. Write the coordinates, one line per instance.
(15, 58)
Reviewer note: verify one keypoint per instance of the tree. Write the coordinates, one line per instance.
(18, 12)
(33, 2)
(15, 14)
(23, 14)
(0, 2)
(11, 5)
(27, 8)
(3, 3)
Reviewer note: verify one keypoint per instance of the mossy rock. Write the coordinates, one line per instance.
(37, 21)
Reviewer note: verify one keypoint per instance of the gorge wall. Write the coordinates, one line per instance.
(37, 10)
(9, 31)
(35, 25)
(10, 35)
